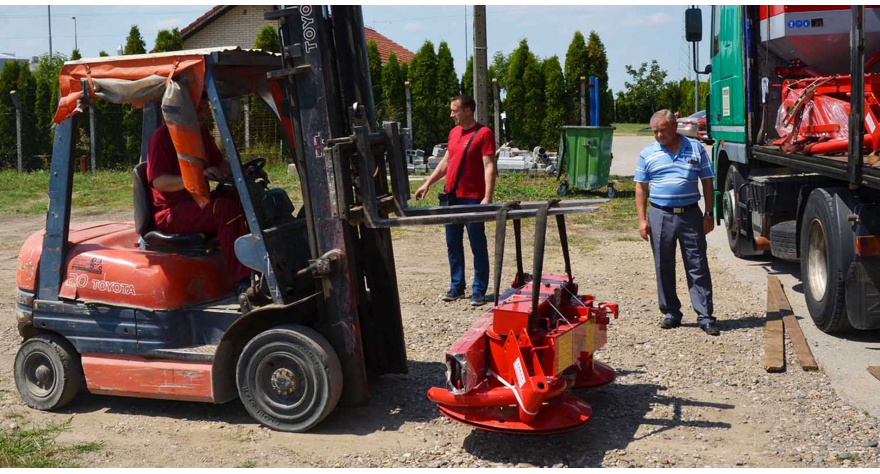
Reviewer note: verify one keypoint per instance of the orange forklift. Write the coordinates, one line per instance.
(120, 308)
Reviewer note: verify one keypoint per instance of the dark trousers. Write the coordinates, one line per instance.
(687, 229)
(455, 248)
(223, 216)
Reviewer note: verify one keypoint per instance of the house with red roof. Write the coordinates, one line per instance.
(238, 25)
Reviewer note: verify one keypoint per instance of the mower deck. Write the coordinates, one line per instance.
(513, 370)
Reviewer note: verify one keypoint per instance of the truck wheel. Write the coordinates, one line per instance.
(48, 372)
(783, 241)
(824, 263)
(289, 378)
(730, 210)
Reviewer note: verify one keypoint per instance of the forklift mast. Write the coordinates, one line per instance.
(354, 177)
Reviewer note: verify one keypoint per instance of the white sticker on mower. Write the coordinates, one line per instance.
(520, 376)
(870, 122)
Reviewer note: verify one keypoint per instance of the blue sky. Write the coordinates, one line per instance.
(632, 34)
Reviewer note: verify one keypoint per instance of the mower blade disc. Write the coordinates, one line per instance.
(562, 414)
(600, 375)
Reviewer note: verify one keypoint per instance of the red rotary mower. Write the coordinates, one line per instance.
(514, 369)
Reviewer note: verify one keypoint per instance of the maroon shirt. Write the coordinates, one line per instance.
(473, 180)
(162, 160)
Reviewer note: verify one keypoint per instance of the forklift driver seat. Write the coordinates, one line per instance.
(152, 239)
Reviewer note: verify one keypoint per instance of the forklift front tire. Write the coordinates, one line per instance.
(289, 378)
(48, 372)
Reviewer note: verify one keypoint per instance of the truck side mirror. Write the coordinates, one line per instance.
(693, 25)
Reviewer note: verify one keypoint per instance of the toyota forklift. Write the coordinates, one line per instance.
(120, 308)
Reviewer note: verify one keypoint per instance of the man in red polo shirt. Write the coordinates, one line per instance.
(470, 179)
(175, 211)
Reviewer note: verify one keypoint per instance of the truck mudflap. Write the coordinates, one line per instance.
(862, 295)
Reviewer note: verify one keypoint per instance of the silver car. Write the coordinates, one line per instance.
(693, 125)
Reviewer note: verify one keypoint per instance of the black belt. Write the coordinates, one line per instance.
(675, 210)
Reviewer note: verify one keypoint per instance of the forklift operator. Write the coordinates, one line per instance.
(175, 211)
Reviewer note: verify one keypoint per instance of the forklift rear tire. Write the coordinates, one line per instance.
(48, 372)
(289, 378)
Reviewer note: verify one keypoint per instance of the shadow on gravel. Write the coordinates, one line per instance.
(618, 412)
(394, 400)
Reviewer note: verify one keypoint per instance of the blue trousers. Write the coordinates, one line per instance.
(455, 248)
(687, 229)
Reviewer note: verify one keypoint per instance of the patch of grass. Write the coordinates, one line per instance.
(627, 238)
(35, 447)
(28, 193)
(639, 129)
(84, 448)
(247, 464)
(582, 242)
(13, 415)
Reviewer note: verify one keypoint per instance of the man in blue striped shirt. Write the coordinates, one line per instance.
(671, 168)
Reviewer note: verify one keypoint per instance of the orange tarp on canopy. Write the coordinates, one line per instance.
(125, 68)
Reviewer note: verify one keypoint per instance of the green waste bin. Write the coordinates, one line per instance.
(586, 158)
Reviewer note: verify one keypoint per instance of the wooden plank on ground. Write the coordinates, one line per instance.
(774, 346)
(875, 371)
(792, 327)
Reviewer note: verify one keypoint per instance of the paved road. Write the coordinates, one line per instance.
(843, 358)
(626, 150)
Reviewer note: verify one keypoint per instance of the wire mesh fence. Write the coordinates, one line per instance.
(117, 141)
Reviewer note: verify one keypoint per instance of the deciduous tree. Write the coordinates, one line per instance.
(168, 40)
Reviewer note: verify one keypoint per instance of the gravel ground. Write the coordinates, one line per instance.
(681, 398)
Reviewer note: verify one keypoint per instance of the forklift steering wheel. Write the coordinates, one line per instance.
(253, 167)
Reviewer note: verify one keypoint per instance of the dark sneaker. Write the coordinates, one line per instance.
(452, 295)
(670, 323)
(711, 329)
(478, 299)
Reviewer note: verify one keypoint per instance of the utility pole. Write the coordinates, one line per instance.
(696, 77)
(481, 91)
(92, 136)
(17, 103)
(75, 43)
(50, 29)
(583, 101)
(497, 98)
(409, 124)
(247, 123)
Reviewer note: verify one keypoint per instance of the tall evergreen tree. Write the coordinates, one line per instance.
(8, 82)
(43, 110)
(498, 69)
(597, 65)
(375, 64)
(525, 97)
(467, 80)
(393, 93)
(168, 40)
(554, 92)
(267, 39)
(423, 87)
(133, 117)
(75, 55)
(447, 87)
(576, 65)
(134, 43)
(26, 86)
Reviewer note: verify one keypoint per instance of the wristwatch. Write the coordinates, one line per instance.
(710, 214)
